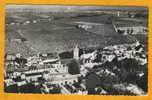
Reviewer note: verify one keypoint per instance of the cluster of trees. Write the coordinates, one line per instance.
(126, 72)
(74, 67)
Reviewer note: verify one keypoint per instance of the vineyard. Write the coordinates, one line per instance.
(62, 35)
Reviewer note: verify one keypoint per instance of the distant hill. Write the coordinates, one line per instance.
(69, 8)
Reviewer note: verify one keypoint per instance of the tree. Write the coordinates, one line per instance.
(92, 81)
(74, 67)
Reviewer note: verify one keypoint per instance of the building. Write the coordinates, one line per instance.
(126, 29)
(34, 21)
(92, 27)
(63, 78)
(76, 52)
(16, 40)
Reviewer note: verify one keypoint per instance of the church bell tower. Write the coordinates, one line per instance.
(76, 52)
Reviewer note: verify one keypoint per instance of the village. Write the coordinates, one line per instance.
(79, 50)
(51, 75)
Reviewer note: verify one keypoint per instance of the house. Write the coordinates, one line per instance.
(127, 29)
(88, 57)
(12, 23)
(63, 78)
(9, 57)
(34, 21)
(16, 40)
(92, 27)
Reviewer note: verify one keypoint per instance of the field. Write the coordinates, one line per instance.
(61, 34)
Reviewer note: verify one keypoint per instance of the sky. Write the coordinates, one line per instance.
(71, 8)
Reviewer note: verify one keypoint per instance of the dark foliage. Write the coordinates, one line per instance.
(21, 60)
(74, 67)
(66, 54)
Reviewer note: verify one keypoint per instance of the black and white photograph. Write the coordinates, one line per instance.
(76, 50)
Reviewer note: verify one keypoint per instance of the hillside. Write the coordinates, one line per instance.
(62, 34)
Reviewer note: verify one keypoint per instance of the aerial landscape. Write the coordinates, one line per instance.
(85, 50)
